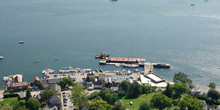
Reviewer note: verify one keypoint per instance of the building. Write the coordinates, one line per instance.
(19, 86)
(153, 80)
(55, 100)
(98, 85)
(55, 87)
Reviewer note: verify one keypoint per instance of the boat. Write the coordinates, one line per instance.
(161, 65)
(102, 55)
(130, 65)
(21, 42)
(192, 4)
(36, 61)
(1, 57)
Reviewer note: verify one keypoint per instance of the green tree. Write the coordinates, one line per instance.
(125, 85)
(146, 89)
(108, 95)
(190, 103)
(33, 104)
(145, 106)
(213, 94)
(99, 105)
(39, 85)
(179, 89)
(28, 94)
(79, 97)
(182, 78)
(160, 101)
(168, 92)
(66, 82)
(212, 85)
(135, 90)
(47, 94)
(88, 79)
(119, 105)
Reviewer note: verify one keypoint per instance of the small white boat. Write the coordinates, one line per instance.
(131, 65)
(1, 57)
(20, 42)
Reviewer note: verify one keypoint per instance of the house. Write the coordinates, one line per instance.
(195, 91)
(98, 85)
(55, 100)
(48, 82)
(19, 86)
(55, 87)
(89, 86)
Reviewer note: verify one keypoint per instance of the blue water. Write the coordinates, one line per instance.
(170, 31)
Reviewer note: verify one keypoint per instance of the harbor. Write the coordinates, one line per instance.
(131, 63)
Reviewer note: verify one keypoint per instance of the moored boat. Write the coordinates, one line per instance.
(1, 57)
(131, 66)
(21, 42)
(102, 55)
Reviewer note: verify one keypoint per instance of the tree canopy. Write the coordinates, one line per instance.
(66, 82)
(33, 104)
(99, 105)
(190, 103)
(145, 106)
(125, 85)
(168, 92)
(182, 78)
(160, 101)
(212, 85)
(179, 89)
(213, 94)
(108, 95)
(79, 97)
(119, 105)
(47, 94)
(135, 90)
(28, 94)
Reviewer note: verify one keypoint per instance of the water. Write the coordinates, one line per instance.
(74, 31)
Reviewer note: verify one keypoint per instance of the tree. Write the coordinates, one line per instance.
(79, 97)
(190, 103)
(28, 94)
(160, 101)
(99, 105)
(168, 92)
(145, 106)
(146, 89)
(135, 90)
(108, 95)
(47, 94)
(119, 105)
(39, 85)
(213, 94)
(88, 79)
(182, 78)
(33, 104)
(212, 85)
(179, 89)
(125, 85)
(66, 82)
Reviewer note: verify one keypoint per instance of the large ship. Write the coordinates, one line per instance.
(161, 65)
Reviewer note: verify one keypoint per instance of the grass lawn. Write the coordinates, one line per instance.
(7, 103)
(137, 102)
